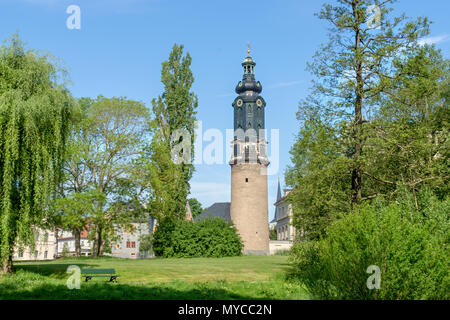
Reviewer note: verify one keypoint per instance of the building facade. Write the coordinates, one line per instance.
(65, 245)
(129, 238)
(283, 217)
(44, 247)
(249, 201)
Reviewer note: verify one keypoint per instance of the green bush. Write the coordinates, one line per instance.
(211, 237)
(409, 246)
(162, 239)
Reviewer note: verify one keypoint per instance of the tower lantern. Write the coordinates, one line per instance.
(249, 206)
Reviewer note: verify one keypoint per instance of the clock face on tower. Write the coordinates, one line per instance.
(259, 103)
(239, 103)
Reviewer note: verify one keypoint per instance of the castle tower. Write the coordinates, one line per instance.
(249, 207)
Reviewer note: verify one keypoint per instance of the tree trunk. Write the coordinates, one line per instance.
(357, 129)
(95, 244)
(98, 246)
(7, 266)
(77, 234)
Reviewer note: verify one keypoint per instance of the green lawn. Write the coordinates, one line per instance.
(246, 277)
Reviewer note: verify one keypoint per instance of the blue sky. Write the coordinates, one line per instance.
(119, 49)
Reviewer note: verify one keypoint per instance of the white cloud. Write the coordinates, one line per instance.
(434, 40)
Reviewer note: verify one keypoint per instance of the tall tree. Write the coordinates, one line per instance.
(173, 121)
(74, 194)
(403, 92)
(355, 66)
(118, 127)
(35, 109)
(100, 166)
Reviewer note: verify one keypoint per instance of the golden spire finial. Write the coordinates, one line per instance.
(249, 48)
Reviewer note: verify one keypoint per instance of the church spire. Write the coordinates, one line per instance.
(279, 191)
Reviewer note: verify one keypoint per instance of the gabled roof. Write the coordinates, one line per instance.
(218, 209)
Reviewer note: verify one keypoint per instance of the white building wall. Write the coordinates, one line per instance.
(44, 247)
(279, 245)
(284, 228)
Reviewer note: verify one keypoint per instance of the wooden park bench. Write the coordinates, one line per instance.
(88, 274)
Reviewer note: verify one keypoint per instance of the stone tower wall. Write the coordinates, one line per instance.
(249, 207)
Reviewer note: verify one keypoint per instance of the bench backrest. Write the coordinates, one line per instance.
(98, 271)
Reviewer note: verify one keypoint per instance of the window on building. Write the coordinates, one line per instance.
(20, 253)
(128, 244)
(129, 229)
(46, 237)
(45, 254)
(133, 244)
(246, 179)
(36, 254)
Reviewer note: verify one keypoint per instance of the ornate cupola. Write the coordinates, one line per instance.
(249, 203)
(249, 110)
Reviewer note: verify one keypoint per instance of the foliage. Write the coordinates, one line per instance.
(409, 246)
(145, 243)
(65, 251)
(350, 72)
(169, 170)
(101, 164)
(321, 172)
(211, 237)
(163, 237)
(284, 252)
(405, 146)
(196, 207)
(407, 141)
(74, 211)
(273, 234)
(35, 110)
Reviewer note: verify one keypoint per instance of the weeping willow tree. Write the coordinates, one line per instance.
(35, 108)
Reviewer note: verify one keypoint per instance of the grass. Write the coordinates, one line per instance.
(246, 277)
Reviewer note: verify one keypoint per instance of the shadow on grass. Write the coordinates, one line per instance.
(112, 291)
(56, 271)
